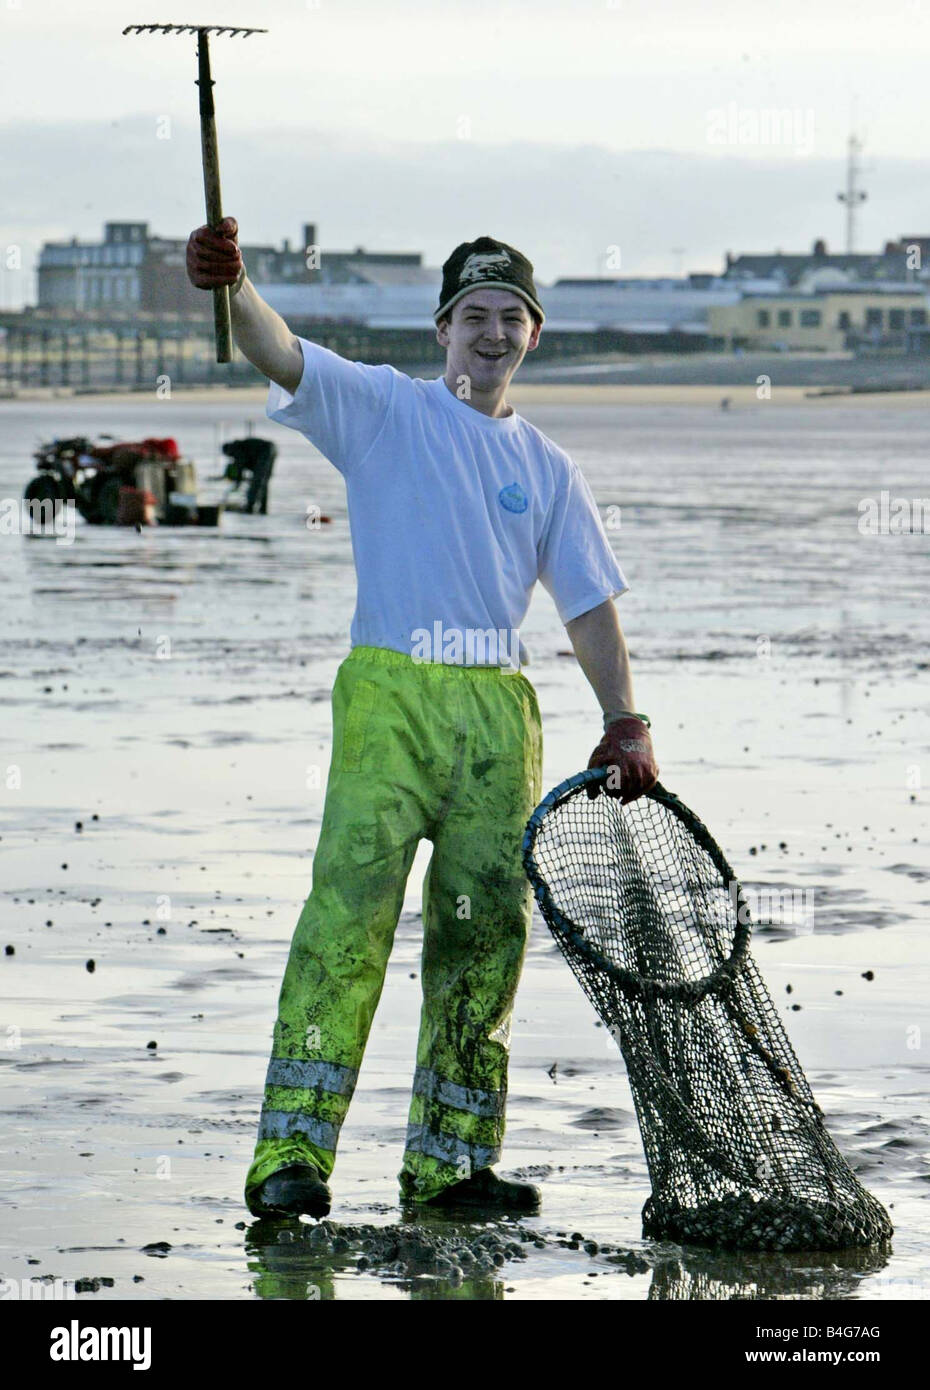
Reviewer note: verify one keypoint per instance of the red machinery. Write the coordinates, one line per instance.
(120, 483)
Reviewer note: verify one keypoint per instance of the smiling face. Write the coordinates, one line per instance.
(486, 336)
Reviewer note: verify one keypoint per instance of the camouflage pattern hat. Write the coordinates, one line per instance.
(487, 263)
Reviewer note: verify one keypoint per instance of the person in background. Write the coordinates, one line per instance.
(252, 458)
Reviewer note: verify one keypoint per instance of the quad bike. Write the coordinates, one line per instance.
(98, 477)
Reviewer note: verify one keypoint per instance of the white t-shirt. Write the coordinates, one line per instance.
(454, 515)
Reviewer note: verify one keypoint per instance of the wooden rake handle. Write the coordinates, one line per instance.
(211, 187)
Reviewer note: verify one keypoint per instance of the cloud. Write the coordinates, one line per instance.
(564, 206)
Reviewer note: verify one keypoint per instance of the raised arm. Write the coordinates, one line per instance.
(214, 259)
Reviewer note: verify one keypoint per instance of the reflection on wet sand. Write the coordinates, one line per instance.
(293, 1259)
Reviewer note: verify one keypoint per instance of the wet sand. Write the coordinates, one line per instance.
(526, 394)
(176, 686)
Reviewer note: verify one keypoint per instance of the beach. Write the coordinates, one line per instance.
(162, 770)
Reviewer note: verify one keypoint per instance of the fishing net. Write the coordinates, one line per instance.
(655, 926)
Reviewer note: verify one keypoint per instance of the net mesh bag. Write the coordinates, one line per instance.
(656, 928)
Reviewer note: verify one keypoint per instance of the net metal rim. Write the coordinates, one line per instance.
(629, 981)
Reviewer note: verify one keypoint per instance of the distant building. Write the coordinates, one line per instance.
(826, 302)
(645, 307)
(132, 270)
(83, 275)
(815, 302)
(399, 297)
(826, 319)
(129, 270)
(917, 253)
(309, 264)
(897, 262)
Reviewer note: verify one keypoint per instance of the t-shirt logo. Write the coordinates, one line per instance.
(483, 266)
(513, 498)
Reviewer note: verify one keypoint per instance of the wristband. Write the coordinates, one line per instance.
(626, 714)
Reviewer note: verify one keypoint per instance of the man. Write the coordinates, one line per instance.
(456, 507)
(253, 458)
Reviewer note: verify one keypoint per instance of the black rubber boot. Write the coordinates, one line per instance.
(487, 1191)
(291, 1191)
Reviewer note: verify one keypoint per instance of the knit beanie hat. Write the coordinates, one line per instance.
(487, 263)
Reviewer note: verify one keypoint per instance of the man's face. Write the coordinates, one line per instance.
(487, 336)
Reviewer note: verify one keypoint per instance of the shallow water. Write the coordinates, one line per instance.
(176, 685)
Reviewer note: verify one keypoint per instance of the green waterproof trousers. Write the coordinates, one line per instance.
(421, 750)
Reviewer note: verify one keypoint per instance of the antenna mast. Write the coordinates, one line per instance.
(853, 196)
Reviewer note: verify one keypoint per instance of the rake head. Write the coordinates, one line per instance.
(210, 153)
(191, 29)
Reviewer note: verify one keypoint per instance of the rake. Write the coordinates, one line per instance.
(211, 159)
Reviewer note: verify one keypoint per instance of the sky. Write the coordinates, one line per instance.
(570, 129)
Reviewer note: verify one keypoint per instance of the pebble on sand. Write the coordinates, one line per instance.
(92, 1284)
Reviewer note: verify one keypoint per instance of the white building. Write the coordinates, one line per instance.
(85, 275)
(641, 307)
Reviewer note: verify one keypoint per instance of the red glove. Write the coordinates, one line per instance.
(214, 258)
(626, 749)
